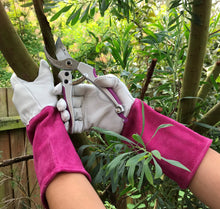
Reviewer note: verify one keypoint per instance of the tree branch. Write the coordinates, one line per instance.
(210, 118)
(14, 50)
(150, 72)
(15, 160)
(207, 86)
(47, 34)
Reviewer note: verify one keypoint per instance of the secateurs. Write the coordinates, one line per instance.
(67, 64)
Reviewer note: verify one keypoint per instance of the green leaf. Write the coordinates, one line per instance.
(147, 172)
(150, 33)
(218, 79)
(75, 16)
(207, 126)
(27, 4)
(161, 126)
(214, 83)
(131, 175)
(126, 190)
(132, 163)
(176, 164)
(135, 159)
(189, 97)
(174, 20)
(111, 133)
(141, 179)
(104, 6)
(157, 154)
(64, 9)
(116, 161)
(92, 9)
(85, 14)
(158, 170)
(138, 139)
(143, 117)
(117, 56)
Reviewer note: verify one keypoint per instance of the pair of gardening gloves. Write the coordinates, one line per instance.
(47, 120)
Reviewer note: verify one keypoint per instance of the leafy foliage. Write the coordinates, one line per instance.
(126, 166)
(122, 37)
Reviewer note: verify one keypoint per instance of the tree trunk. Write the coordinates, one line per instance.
(14, 50)
(195, 57)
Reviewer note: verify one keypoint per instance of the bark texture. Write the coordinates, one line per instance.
(14, 50)
(195, 57)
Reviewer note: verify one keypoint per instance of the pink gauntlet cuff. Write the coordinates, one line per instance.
(52, 148)
(176, 142)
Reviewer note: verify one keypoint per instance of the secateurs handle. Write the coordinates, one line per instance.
(90, 74)
(66, 79)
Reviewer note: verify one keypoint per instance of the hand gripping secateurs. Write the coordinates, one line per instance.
(68, 64)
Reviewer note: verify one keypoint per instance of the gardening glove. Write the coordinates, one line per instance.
(175, 142)
(93, 108)
(52, 148)
(31, 97)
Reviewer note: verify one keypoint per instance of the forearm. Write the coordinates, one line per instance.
(53, 150)
(175, 142)
(206, 182)
(70, 191)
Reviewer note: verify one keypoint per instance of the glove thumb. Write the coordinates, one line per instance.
(111, 81)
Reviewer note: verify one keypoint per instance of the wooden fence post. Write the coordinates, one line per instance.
(19, 188)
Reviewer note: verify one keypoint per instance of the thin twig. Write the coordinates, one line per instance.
(15, 160)
(150, 71)
(214, 32)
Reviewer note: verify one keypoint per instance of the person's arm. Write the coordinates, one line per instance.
(64, 183)
(206, 181)
(176, 142)
(72, 191)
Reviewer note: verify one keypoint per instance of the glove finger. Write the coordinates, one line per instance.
(77, 102)
(58, 89)
(61, 104)
(14, 80)
(65, 116)
(44, 74)
(67, 125)
(78, 126)
(82, 89)
(78, 114)
(108, 81)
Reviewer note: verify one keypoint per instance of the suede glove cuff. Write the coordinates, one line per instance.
(176, 142)
(52, 149)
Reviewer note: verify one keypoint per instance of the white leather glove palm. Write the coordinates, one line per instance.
(31, 97)
(92, 108)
